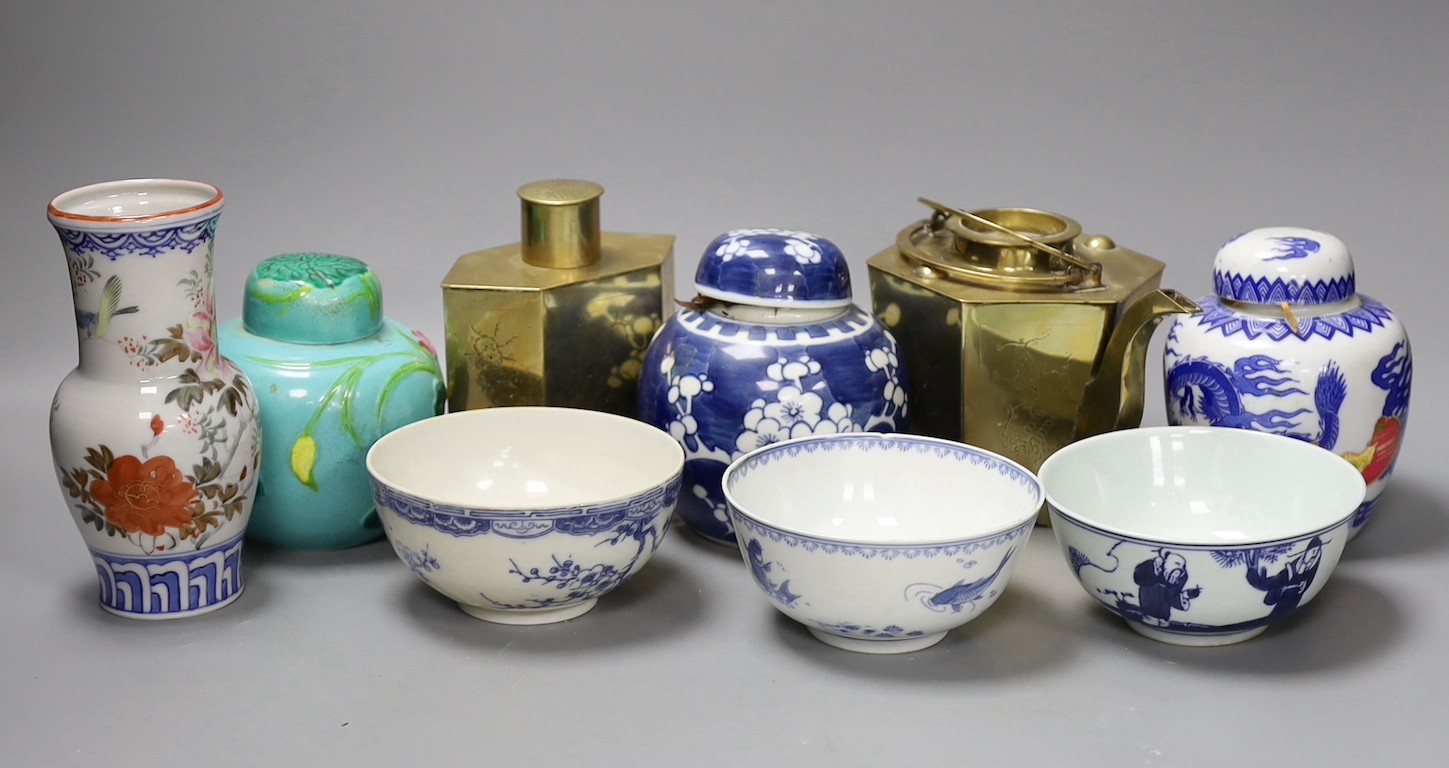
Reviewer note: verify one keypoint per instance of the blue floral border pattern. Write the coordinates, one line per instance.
(1261, 290)
(1367, 317)
(962, 454)
(174, 584)
(882, 551)
(114, 245)
(849, 325)
(582, 520)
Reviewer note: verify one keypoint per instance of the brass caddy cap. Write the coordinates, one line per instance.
(561, 223)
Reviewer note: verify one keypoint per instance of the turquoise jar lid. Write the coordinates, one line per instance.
(312, 298)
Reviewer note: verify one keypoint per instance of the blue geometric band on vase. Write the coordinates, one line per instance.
(180, 584)
(114, 245)
(1260, 290)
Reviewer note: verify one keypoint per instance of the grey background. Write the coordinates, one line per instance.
(397, 133)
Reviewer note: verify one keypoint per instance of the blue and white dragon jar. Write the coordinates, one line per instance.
(774, 348)
(1287, 345)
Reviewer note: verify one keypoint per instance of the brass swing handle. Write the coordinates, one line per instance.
(1091, 267)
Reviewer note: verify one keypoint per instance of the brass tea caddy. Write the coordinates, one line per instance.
(1022, 333)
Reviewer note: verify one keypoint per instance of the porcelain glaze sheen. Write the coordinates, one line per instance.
(1200, 535)
(154, 434)
(776, 350)
(880, 543)
(1335, 369)
(332, 375)
(525, 515)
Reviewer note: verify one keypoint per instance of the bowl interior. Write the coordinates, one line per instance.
(882, 489)
(525, 458)
(1201, 485)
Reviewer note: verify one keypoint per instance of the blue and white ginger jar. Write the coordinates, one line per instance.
(774, 349)
(1287, 345)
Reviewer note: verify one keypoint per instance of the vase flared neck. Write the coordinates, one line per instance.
(139, 256)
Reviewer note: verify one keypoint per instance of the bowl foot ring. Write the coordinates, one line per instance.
(530, 616)
(1195, 640)
(878, 647)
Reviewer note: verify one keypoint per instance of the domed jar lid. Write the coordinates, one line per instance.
(312, 298)
(774, 268)
(1284, 265)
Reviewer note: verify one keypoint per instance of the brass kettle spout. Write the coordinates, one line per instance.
(1114, 395)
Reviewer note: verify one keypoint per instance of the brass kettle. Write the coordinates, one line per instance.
(1020, 333)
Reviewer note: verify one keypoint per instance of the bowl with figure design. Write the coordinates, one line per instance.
(525, 515)
(1200, 535)
(880, 543)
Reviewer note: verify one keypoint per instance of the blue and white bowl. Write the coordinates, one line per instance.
(880, 543)
(1200, 535)
(525, 515)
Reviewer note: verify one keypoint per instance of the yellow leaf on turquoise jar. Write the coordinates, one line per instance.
(304, 459)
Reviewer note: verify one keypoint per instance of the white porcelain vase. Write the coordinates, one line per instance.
(154, 434)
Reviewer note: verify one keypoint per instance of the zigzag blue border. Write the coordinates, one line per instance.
(1365, 319)
(1261, 290)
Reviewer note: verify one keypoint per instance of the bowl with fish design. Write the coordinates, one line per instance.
(1200, 536)
(525, 515)
(880, 543)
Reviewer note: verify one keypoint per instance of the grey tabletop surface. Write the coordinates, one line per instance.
(397, 133)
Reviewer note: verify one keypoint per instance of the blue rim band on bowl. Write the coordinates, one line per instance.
(1338, 465)
(759, 457)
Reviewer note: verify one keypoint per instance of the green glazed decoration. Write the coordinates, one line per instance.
(332, 375)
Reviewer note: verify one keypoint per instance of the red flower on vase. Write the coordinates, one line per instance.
(145, 497)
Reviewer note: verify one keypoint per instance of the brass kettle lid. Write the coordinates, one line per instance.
(1021, 249)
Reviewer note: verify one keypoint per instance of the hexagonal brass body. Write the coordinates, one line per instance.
(520, 334)
(1022, 372)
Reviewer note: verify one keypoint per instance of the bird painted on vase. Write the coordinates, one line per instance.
(95, 325)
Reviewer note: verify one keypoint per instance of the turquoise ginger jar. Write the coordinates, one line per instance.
(332, 375)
